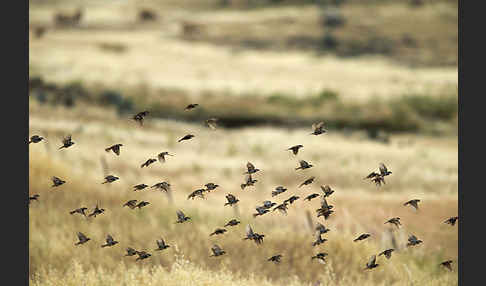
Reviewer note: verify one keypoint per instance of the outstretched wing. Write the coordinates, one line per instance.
(372, 260)
(81, 236)
(249, 231)
(180, 214)
(109, 239)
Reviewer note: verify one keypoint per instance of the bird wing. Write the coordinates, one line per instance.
(161, 157)
(81, 236)
(383, 169)
(324, 204)
(249, 231)
(372, 260)
(412, 238)
(250, 166)
(109, 239)
(180, 214)
(216, 249)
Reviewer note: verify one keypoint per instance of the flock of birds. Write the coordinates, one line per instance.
(325, 209)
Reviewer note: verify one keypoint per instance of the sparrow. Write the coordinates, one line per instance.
(304, 165)
(142, 255)
(278, 190)
(387, 253)
(395, 221)
(186, 137)
(452, 220)
(212, 123)
(371, 263)
(196, 193)
(142, 204)
(231, 200)
(161, 244)
(217, 251)
(66, 142)
(139, 117)
(181, 217)
(291, 200)
(362, 237)
(164, 186)
(447, 264)
(162, 155)
(139, 187)
(109, 241)
(308, 181)
(96, 211)
(115, 148)
(35, 139)
(251, 169)
(148, 162)
(276, 258)
(191, 106)
(412, 240)
(413, 203)
(311, 196)
(321, 257)
(131, 204)
(218, 231)
(81, 210)
(131, 251)
(82, 238)
(232, 222)
(110, 179)
(57, 182)
(295, 149)
(327, 190)
(318, 128)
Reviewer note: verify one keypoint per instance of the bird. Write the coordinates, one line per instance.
(324, 206)
(249, 233)
(327, 190)
(452, 220)
(196, 193)
(186, 137)
(110, 179)
(162, 155)
(321, 228)
(161, 244)
(142, 255)
(260, 211)
(447, 264)
(148, 162)
(57, 181)
(81, 210)
(282, 208)
(258, 238)
(142, 204)
(212, 123)
(362, 237)
(139, 117)
(218, 231)
(231, 200)
(268, 204)
(371, 175)
(371, 263)
(115, 148)
(181, 217)
(324, 213)
(412, 240)
(387, 253)
(319, 240)
(131, 251)
(311, 196)
(275, 259)
(291, 200)
(164, 186)
(413, 203)
(131, 204)
(318, 128)
(249, 182)
(232, 222)
(304, 165)
(251, 169)
(67, 142)
(295, 149)
(191, 106)
(378, 180)
(35, 139)
(139, 187)
(278, 190)
(96, 211)
(109, 241)
(82, 238)
(34, 197)
(210, 187)
(217, 251)
(321, 257)
(384, 170)
(395, 221)
(308, 181)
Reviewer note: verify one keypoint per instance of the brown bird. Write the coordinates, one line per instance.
(362, 237)
(66, 142)
(321, 257)
(447, 264)
(452, 220)
(142, 255)
(327, 190)
(260, 211)
(131, 204)
(250, 169)
(164, 186)
(308, 181)
(319, 240)
(387, 253)
(278, 190)
(82, 238)
(181, 217)
(281, 208)
(412, 240)
(34, 198)
(186, 137)
(304, 165)
(395, 221)
(295, 149)
(413, 203)
(218, 231)
(139, 117)
(231, 200)
(371, 263)
(115, 148)
(217, 251)
(162, 155)
(232, 222)
(142, 204)
(161, 244)
(79, 211)
(212, 123)
(275, 259)
(383, 170)
(249, 182)
(318, 128)
(109, 241)
(131, 252)
(291, 200)
(96, 211)
(210, 187)
(197, 193)
(191, 106)
(139, 187)
(110, 179)
(35, 139)
(311, 196)
(148, 162)
(321, 228)
(57, 182)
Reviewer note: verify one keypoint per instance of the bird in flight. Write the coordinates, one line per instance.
(218, 231)
(34, 198)
(197, 193)
(447, 264)
(162, 155)
(131, 204)
(275, 259)
(81, 210)
(413, 203)
(412, 240)
(142, 204)
(210, 187)
(232, 222)
(304, 165)
(260, 211)
(362, 237)
(186, 137)
(395, 221)
(327, 190)
(321, 257)
(181, 217)
(249, 182)
(139, 187)
(281, 208)
(308, 181)
(250, 169)
(131, 251)
(148, 162)
(57, 182)
(110, 179)
(291, 200)
(319, 240)
(35, 139)
(217, 251)
(139, 117)
(142, 255)
(452, 220)
(311, 196)
(295, 149)
(161, 244)
(82, 238)
(318, 128)
(191, 106)
(115, 148)
(164, 186)
(371, 263)
(109, 241)
(278, 190)
(321, 228)
(231, 200)
(96, 211)
(67, 142)
(387, 253)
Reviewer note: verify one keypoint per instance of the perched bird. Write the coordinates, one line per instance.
(268, 204)
(452, 220)
(142, 204)
(311, 196)
(57, 182)
(191, 106)
(291, 200)
(249, 182)
(395, 221)
(181, 217)
(413, 203)
(217, 251)
(275, 259)
(327, 190)
(164, 186)
(96, 211)
(109, 241)
(278, 190)
(186, 137)
(139, 117)
(231, 200)
(232, 222)
(412, 240)
(115, 148)
(196, 193)
(82, 238)
(34, 198)
(447, 264)
(281, 208)
(210, 187)
(81, 210)
(260, 211)
(161, 244)
(319, 240)
(321, 228)
(304, 165)
(131, 252)
(162, 155)
(212, 123)
(218, 231)
(371, 263)
(318, 128)
(131, 204)
(383, 170)
(35, 139)
(295, 149)
(139, 187)
(148, 162)
(321, 257)
(387, 253)
(66, 142)
(308, 181)
(110, 179)
(250, 169)
(142, 255)
(362, 237)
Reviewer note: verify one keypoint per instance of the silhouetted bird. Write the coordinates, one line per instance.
(395, 221)
(142, 255)
(142, 204)
(186, 137)
(212, 123)
(139, 117)
(196, 193)
(35, 139)
(231, 200)
(162, 155)
(321, 257)
(268, 204)
(447, 264)
(34, 198)
(304, 165)
(295, 149)
(96, 211)
(131, 252)
(387, 253)
(413, 203)
(281, 208)
(318, 128)
(275, 259)
(161, 244)
(278, 190)
(82, 238)
(321, 228)
(66, 142)
(362, 237)
(110, 179)
(291, 200)
(260, 211)
(57, 182)
(311, 196)
(210, 187)
(109, 241)
(452, 220)
(115, 148)
(371, 263)
(249, 182)
(191, 106)
(164, 186)
(308, 181)
(412, 240)
(217, 251)
(327, 190)
(232, 222)
(139, 187)
(131, 204)
(181, 217)
(79, 211)
(218, 231)
(148, 162)
(250, 169)
(383, 170)
(319, 240)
